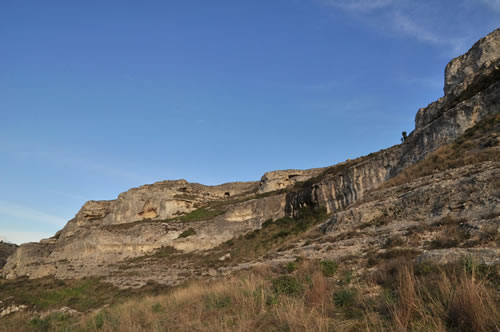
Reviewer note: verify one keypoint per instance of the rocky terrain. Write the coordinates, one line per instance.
(434, 197)
(6, 249)
(190, 217)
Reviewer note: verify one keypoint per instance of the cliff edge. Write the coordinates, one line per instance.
(193, 218)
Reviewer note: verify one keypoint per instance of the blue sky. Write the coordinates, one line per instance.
(97, 97)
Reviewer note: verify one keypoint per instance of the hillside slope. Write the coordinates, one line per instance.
(371, 199)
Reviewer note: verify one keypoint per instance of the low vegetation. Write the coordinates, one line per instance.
(274, 235)
(47, 293)
(397, 296)
(387, 293)
(188, 232)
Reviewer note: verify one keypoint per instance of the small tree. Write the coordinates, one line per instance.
(404, 136)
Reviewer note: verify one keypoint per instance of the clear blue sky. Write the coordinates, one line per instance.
(97, 97)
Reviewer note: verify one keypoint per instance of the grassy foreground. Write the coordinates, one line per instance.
(304, 296)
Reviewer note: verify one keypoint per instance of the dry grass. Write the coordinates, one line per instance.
(452, 298)
(452, 302)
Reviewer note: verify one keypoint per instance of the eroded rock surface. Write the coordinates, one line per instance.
(277, 180)
(142, 220)
(6, 249)
(105, 235)
(483, 54)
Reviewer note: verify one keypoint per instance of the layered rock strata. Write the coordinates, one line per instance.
(191, 217)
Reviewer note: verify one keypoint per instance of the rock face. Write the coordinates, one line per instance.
(11, 309)
(469, 100)
(277, 180)
(6, 249)
(483, 54)
(192, 217)
(468, 193)
(345, 183)
(142, 220)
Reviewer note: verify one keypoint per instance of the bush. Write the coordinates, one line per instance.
(344, 297)
(157, 307)
(394, 241)
(99, 320)
(267, 223)
(425, 268)
(290, 267)
(280, 234)
(450, 238)
(328, 268)
(39, 324)
(187, 232)
(287, 285)
(346, 277)
(214, 301)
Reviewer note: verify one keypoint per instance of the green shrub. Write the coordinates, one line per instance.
(267, 223)
(287, 285)
(157, 307)
(328, 268)
(214, 301)
(251, 235)
(162, 252)
(187, 232)
(425, 268)
(282, 233)
(344, 297)
(39, 324)
(346, 277)
(394, 241)
(99, 320)
(290, 267)
(469, 264)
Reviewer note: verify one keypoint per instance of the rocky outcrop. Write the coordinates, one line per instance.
(192, 217)
(28, 260)
(472, 92)
(277, 180)
(11, 309)
(6, 249)
(443, 121)
(483, 54)
(468, 193)
(473, 86)
(87, 245)
(161, 200)
(343, 184)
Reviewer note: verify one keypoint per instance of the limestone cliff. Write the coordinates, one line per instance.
(142, 220)
(462, 69)
(6, 249)
(190, 217)
(277, 180)
(473, 93)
